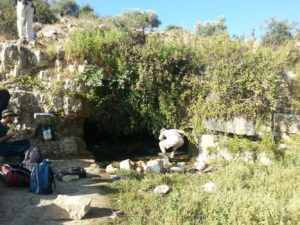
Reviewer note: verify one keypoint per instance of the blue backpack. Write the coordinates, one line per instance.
(42, 178)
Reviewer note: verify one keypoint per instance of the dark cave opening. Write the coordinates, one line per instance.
(108, 147)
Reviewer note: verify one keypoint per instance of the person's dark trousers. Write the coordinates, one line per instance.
(12, 148)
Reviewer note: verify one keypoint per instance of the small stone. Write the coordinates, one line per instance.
(181, 164)
(161, 189)
(199, 166)
(111, 169)
(67, 178)
(126, 165)
(177, 169)
(154, 166)
(209, 187)
(264, 159)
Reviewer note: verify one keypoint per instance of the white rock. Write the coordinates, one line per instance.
(264, 159)
(249, 156)
(154, 166)
(207, 141)
(181, 164)
(199, 166)
(162, 189)
(126, 165)
(225, 154)
(111, 169)
(283, 146)
(209, 187)
(69, 207)
(176, 169)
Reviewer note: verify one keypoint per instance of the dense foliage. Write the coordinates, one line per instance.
(172, 82)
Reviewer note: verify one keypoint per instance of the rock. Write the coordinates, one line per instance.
(126, 165)
(154, 166)
(264, 159)
(207, 141)
(225, 154)
(139, 169)
(287, 123)
(237, 125)
(111, 169)
(68, 146)
(209, 187)
(161, 189)
(40, 58)
(69, 207)
(249, 157)
(181, 164)
(166, 163)
(37, 27)
(283, 147)
(67, 178)
(199, 166)
(176, 169)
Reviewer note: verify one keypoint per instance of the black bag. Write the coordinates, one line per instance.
(32, 156)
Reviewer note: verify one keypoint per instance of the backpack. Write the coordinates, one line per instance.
(15, 175)
(32, 155)
(42, 178)
(44, 132)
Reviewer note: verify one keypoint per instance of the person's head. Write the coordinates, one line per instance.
(8, 115)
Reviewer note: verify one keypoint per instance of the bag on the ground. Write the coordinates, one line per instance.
(32, 155)
(76, 173)
(42, 178)
(44, 132)
(15, 175)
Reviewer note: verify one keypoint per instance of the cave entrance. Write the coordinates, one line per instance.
(107, 147)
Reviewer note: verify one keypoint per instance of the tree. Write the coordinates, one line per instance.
(212, 28)
(65, 7)
(43, 12)
(134, 18)
(278, 32)
(85, 9)
(8, 24)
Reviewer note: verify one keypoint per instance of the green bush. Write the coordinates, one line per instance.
(8, 18)
(173, 82)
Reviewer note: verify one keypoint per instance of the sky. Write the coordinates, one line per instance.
(242, 16)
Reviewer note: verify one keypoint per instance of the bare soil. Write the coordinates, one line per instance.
(21, 207)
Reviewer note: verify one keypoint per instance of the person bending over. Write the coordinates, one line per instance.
(170, 138)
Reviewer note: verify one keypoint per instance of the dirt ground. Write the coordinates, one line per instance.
(21, 207)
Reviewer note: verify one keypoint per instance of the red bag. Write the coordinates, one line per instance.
(15, 175)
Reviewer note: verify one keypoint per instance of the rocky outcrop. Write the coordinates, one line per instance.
(45, 90)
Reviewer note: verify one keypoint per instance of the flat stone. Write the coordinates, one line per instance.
(287, 123)
(237, 125)
(161, 189)
(199, 166)
(209, 187)
(176, 169)
(68, 207)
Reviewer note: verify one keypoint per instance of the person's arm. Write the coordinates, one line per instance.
(181, 132)
(8, 135)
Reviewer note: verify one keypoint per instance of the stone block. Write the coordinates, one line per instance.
(237, 125)
(287, 123)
